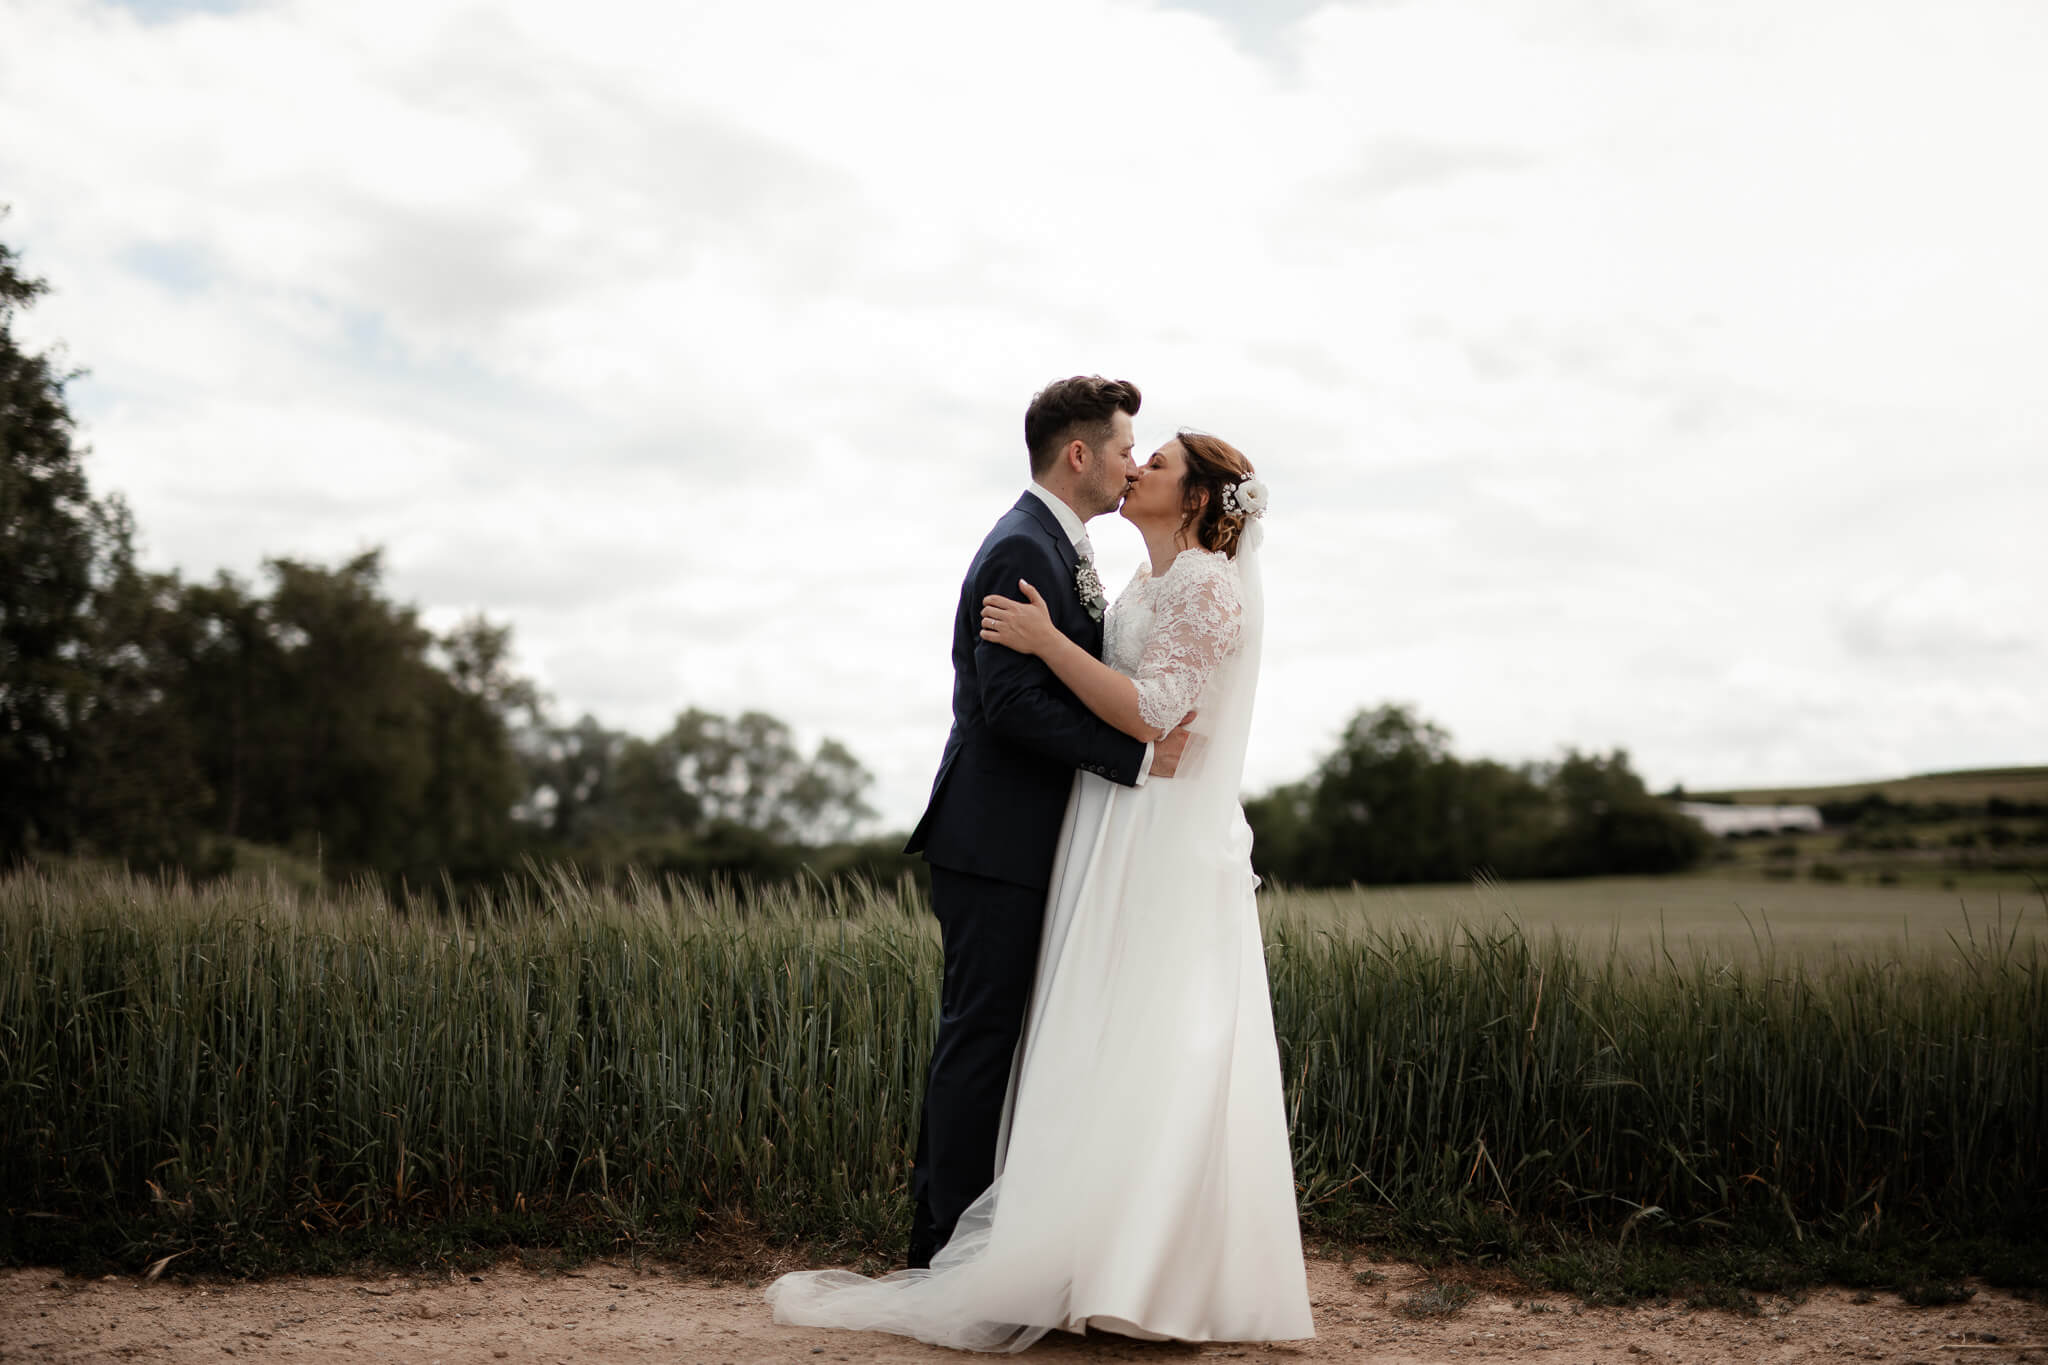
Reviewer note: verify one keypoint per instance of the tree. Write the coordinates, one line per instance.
(1607, 823)
(735, 782)
(571, 773)
(140, 792)
(57, 548)
(1381, 807)
(1392, 804)
(328, 720)
(475, 777)
(1283, 830)
(748, 773)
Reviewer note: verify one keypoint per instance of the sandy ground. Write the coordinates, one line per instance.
(610, 1312)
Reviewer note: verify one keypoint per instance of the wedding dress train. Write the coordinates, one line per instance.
(1145, 1186)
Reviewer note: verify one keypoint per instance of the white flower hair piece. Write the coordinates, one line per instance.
(1247, 499)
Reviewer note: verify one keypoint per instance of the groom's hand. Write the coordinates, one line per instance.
(1166, 752)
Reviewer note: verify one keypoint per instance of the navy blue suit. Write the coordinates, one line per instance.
(989, 833)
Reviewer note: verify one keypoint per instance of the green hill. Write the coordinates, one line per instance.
(1971, 788)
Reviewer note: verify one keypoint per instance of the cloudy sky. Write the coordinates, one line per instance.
(1657, 375)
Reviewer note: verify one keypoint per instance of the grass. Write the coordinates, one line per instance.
(263, 1080)
(1729, 919)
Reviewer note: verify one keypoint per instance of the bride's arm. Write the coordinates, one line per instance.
(1027, 628)
(1195, 627)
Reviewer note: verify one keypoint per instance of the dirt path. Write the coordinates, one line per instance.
(608, 1312)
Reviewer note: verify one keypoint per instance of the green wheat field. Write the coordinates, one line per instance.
(250, 1079)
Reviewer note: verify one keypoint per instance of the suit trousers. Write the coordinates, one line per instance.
(990, 931)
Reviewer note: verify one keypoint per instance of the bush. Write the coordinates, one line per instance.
(2005, 808)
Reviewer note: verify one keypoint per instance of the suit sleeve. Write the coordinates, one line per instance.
(1026, 705)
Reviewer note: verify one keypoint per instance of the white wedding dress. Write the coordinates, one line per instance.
(1146, 1186)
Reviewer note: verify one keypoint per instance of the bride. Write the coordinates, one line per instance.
(1145, 1185)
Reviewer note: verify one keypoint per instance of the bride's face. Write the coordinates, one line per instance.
(1155, 498)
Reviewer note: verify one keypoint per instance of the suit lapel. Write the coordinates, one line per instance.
(1034, 507)
(1066, 607)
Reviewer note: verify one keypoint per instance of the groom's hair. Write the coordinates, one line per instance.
(1070, 409)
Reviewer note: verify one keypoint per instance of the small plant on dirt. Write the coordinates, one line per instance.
(1725, 1297)
(1437, 1301)
(1936, 1293)
(1367, 1276)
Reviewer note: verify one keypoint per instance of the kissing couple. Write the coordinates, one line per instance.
(1103, 1143)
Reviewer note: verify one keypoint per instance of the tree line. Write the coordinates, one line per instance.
(313, 725)
(1392, 804)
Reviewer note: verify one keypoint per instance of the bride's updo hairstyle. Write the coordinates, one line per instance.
(1213, 464)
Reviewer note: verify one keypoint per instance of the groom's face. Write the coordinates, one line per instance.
(1111, 469)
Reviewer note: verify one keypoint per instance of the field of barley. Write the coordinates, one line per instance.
(250, 1079)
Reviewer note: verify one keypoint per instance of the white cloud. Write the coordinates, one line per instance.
(1597, 357)
(1943, 617)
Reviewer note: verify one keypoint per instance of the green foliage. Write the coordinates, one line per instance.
(708, 780)
(326, 726)
(319, 718)
(1940, 803)
(59, 549)
(1391, 804)
(259, 1078)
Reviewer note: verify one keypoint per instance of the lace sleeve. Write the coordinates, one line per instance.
(1194, 628)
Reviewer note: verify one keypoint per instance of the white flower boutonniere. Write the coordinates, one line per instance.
(1088, 588)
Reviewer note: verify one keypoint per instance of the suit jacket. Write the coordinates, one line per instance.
(1018, 732)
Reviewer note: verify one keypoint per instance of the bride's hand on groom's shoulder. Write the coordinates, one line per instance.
(1023, 626)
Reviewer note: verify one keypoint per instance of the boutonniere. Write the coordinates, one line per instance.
(1088, 588)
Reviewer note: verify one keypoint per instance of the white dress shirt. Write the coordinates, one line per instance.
(1077, 536)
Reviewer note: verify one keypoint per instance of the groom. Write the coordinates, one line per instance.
(994, 817)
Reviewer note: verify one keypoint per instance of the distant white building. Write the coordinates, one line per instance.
(1722, 821)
